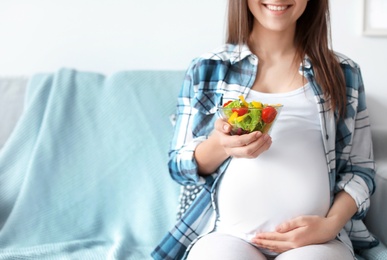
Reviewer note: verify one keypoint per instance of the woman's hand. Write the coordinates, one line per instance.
(298, 232)
(241, 146)
(308, 230)
(221, 145)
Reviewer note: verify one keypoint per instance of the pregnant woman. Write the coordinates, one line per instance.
(284, 196)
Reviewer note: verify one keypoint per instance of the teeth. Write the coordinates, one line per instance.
(276, 7)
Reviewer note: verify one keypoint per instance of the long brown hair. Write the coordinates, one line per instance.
(312, 38)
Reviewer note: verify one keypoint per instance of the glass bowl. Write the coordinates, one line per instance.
(245, 120)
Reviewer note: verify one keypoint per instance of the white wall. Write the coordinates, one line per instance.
(369, 52)
(111, 35)
(106, 35)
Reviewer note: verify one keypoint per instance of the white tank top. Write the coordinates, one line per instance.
(288, 180)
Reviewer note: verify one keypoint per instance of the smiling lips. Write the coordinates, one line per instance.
(277, 7)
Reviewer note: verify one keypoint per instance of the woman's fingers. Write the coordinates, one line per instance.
(241, 146)
(222, 126)
(247, 146)
(262, 144)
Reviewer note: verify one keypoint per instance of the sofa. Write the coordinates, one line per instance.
(83, 165)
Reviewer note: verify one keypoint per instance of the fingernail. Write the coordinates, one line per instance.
(225, 127)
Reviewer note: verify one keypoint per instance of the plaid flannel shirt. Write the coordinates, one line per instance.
(225, 74)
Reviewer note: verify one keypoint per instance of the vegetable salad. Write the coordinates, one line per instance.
(246, 117)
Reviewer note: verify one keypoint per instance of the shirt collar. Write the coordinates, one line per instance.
(306, 66)
(240, 52)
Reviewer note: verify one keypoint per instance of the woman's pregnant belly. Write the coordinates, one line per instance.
(287, 181)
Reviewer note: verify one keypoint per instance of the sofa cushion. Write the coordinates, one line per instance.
(377, 215)
(12, 91)
(84, 174)
(376, 253)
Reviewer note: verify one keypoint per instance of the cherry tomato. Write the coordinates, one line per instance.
(228, 102)
(268, 114)
(240, 110)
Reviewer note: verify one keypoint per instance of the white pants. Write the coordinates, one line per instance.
(218, 246)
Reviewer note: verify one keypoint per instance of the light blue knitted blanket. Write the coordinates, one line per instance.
(84, 174)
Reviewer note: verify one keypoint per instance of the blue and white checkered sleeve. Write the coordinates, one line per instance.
(182, 165)
(356, 163)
